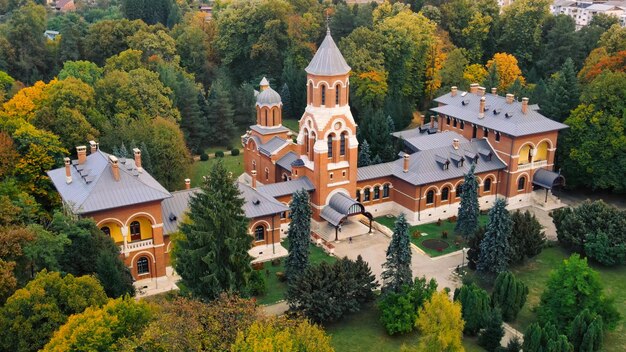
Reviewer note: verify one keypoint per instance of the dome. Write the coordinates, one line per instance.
(268, 97)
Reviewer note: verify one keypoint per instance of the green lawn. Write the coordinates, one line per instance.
(432, 231)
(235, 142)
(535, 274)
(291, 124)
(275, 288)
(201, 168)
(362, 331)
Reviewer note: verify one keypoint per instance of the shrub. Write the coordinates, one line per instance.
(219, 154)
(527, 237)
(204, 156)
(509, 294)
(452, 219)
(444, 234)
(398, 311)
(276, 262)
(257, 284)
(234, 152)
(417, 234)
(281, 276)
(490, 336)
(475, 304)
(439, 222)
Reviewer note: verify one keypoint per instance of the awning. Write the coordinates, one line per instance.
(340, 207)
(548, 179)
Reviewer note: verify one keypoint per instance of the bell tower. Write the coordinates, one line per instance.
(327, 138)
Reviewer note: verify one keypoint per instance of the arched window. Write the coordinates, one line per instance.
(487, 185)
(377, 192)
(358, 195)
(312, 140)
(521, 183)
(106, 230)
(267, 174)
(135, 231)
(486, 132)
(459, 190)
(273, 117)
(497, 136)
(306, 140)
(448, 120)
(454, 123)
(285, 178)
(337, 92)
(323, 94)
(445, 193)
(330, 145)
(386, 191)
(474, 131)
(462, 124)
(265, 117)
(143, 266)
(259, 233)
(366, 195)
(430, 197)
(283, 214)
(342, 144)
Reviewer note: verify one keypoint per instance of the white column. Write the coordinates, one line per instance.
(125, 236)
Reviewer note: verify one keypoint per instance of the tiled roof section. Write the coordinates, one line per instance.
(272, 146)
(287, 187)
(93, 187)
(173, 209)
(268, 130)
(423, 141)
(286, 160)
(499, 116)
(427, 166)
(258, 204)
(328, 60)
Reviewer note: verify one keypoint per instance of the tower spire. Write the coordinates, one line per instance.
(327, 22)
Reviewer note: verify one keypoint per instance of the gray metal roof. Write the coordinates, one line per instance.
(173, 209)
(93, 187)
(424, 141)
(286, 160)
(271, 146)
(258, 204)
(499, 116)
(287, 187)
(328, 60)
(545, 178)
(269, 130)
(426, 166)
(268, 97)
(338, 208)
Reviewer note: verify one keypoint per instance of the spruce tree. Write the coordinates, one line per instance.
(397, 268)
(492, 80)
(467, 218)
(222, 113)
(285, 96)
(211, 254)
(562, 93)
(532, 338)
(299, 233)
(245, 108)
(586, 332)
(474, 307)
(514, 345)
(509, 294)
(146, 159)
(365, 155)
(492, 334)
(123, 151)
(494, 248)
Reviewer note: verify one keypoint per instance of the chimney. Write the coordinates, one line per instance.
(481, 91)
(474, 88)
(509, 98)
(432, 121)
(455, 143)
(494, 90)
(253, 179)
(187, 183)
(82, 154)
(524, 105)
(481, 109)
(406, 163)
(453, 91)
(94, 147)
(68, 172)
(137, 154)
(115, 168)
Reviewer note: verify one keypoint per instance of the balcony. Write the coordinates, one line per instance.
(532, 165)
(137, 245)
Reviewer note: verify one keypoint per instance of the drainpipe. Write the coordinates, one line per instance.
(509, 178)
(273, 229)
(419, 204)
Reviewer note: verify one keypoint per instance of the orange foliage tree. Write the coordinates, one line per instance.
(508, 70)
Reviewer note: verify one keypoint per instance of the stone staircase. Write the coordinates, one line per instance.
(548, 203)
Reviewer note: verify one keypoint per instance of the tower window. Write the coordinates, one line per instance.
(323, 94)
(358, 195)
(259, 233)
(273, 117)
(267, 174)
(521, 183)
(486, 132)
(462, 124)
(448, 120)
(330, 145)
(342, 144)
(454, 123)
(265, 117)
(135, 231)
(310, 95)
(497, 136)
(143, 266)
(337, 92)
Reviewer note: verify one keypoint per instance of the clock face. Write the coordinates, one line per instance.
(337, 125)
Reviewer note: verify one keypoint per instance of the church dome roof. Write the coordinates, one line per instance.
(268, 97)
(328, 60)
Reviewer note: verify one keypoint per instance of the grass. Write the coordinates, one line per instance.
(233, 164)
(362, 331)
(432, 231)
(275, 288)
(536, 273)
(235, 142)
(291, 124)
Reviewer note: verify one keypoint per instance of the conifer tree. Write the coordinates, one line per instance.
(474, 307)
(211, 254)
(532, 338)
(514, 345)
(509, 294)
(123, 151)
(467, 222)
(586, 331)
(492, 80)
(285, 96)
(491, 336)
(494, 248)
(222, 113)
(146, 159)
(592, 340)
(562, 93)
(365, 155)
(397, 268)
(299, 233)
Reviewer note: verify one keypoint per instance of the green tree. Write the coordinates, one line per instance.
(452, 70)
(509, 295)
(562, 93)
(475, 305)
(585, 332)
(31, 315)
(101, 328)
(527, 237)
(222, 113)
(467, 222)
(149, 11)
(245, 109)
(495, 250)
(397, 267)
(285, 94)
(24, 33)
(492, 334)
(107, 38)
(85, 71)
(492, 80)
(153, 44)
(326, 292)
(211, 254)
(194, 39)
(561, 43)
(573, 287)
(473, 253)
(375, 129)
(298, 233)
(398, 311)
(440, 324)
(73, 30)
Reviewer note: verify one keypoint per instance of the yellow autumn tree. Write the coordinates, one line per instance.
(507, 69)
(474, 73)
(25, 102)
(434, 63)
(440, 324)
